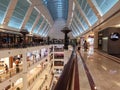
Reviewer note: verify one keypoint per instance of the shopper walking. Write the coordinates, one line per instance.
(6, 68)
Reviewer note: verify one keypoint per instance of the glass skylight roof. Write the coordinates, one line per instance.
(44, 29)
(38, 24)
(31, 20)
(41, 29)
(75, 27)
(104, 5)
(19, 14)
(3, 7)
(88, 11)
(57, 8)
(84, 16)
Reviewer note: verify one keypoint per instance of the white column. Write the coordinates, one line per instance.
(48, 53)
(25, 78)
(96, 39)
(53, 59)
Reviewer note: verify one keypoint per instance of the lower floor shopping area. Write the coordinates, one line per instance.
(53, 68)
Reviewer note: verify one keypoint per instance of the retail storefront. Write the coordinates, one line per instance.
(109, 38)
(9, 63)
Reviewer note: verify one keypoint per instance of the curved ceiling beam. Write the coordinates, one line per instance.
(26, 18)
(35, 23)
(95, 8)
(39, 5)
(75, 14)
(41, 26)
(9, 11)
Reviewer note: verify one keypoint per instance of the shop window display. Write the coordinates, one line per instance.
(58, 48)
(44, 52)
(4, 65)
(59, 56)
(29, 56)
(58, 63)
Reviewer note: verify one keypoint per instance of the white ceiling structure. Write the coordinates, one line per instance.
(49, 17)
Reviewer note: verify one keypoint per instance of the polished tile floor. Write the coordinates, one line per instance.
(104, 70)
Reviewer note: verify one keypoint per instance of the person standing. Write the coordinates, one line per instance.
(85, 45)
(6, 68)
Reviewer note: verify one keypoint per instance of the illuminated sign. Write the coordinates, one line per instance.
(114, 36)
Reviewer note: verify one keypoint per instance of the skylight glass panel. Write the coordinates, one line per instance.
(44, 25)
(38, 25)
(19, 14)
(81, 19)
(80, 27)
(45, 1)
(76, 24)
(88, 11)
(47, 31)
(84, 24)
(41, 29)
(105, 5)
(74, 29)
(31, 20)
(77, 30)
(3, 7)
(44, 29)
(57, 8)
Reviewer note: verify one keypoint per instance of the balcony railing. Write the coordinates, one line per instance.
(68, 78)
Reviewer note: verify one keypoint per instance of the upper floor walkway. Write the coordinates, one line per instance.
(96, 71)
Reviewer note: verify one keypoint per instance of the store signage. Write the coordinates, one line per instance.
(115, 36)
